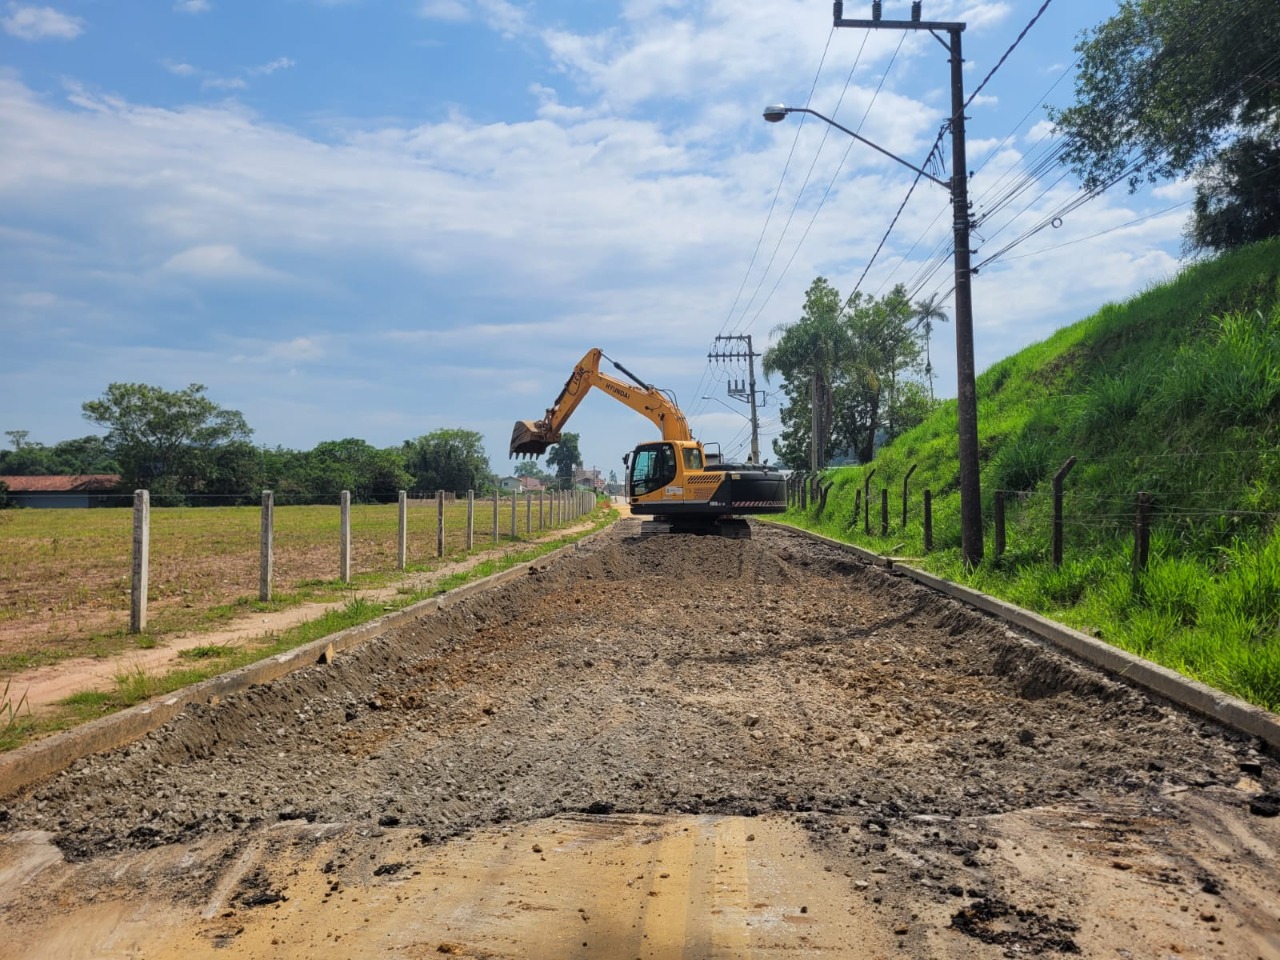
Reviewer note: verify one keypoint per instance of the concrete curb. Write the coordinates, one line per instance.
(1195, 696)
(26, 765)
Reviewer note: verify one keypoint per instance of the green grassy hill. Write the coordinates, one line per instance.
(1175, 393)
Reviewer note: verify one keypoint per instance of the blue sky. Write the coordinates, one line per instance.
(350, 218)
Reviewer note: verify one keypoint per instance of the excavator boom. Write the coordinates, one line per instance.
(532, 438)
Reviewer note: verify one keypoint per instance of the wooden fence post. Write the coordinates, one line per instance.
(266, 542)
(344, 536)
(1141, 539)
(141, 560)
(884, 511)
(528, 511)
(439, 523)
(542, 518)
(804, 493)
(495, 515)
(905, 479)
(999, 523)
(1057, 509)
(928, 520)
(866, 499)
(402, 530)
(471, 520)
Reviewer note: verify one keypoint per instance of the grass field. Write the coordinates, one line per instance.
(65, 574)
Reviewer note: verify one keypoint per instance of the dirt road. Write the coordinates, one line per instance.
(675, 747)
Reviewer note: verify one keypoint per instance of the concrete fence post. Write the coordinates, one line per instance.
(496, 494)
(141, 560)
(439, 523)
(515, 500)
(266, 543)
(528, 512)
(402, 531)
(471, 520)
(344, 537)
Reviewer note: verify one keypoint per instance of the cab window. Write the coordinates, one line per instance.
(653, 467)
(692, 458)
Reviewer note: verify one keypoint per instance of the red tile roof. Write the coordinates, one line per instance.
(84, 483)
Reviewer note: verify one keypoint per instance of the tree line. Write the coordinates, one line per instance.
(185, 448)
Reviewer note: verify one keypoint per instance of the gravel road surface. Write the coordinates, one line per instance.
(960, 789)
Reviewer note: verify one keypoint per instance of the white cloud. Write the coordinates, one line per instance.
(280, 63)
(218, 261)
(451, 11)
(41, 23)
(224, 83)
(179, 69)
(192, 6)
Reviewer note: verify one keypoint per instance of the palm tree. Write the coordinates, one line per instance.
(926, 311)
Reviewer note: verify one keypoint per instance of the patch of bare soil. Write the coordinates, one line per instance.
(969, 792)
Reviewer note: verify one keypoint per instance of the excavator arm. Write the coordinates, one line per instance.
(532, 437)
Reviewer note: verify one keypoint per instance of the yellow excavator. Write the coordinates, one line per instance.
(682, 485)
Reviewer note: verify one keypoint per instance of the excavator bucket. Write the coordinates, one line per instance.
(528, 439)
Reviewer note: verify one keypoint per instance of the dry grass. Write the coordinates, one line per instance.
(65, 574)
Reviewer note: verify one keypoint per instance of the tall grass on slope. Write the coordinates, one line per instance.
(1175, 393)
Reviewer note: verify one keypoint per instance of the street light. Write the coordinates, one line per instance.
(966, 390)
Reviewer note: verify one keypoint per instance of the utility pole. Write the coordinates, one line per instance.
(966, 390)
(736, 389)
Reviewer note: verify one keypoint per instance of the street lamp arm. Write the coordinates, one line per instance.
(776, 112)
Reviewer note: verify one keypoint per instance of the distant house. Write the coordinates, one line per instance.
(86, 490)
(523, 484)
(590, 479)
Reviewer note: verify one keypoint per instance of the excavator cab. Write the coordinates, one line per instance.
(652, 467)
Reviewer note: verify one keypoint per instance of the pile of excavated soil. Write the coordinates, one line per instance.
(667, 675)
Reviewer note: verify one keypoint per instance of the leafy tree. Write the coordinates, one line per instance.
(1164, 84)
(29, 460)
(1237, 197)
(369, 474)
(452, 460)
(886, 347)
(814, 347)
(160, 438)
(530, 468)
(854, 356)
(564, 456)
